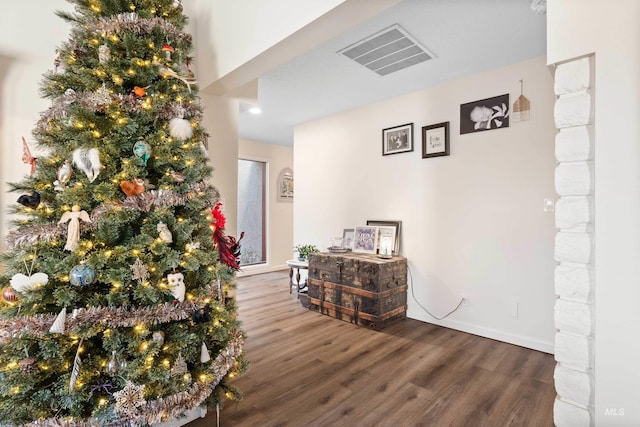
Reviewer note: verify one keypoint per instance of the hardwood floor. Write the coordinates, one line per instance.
(311, 370)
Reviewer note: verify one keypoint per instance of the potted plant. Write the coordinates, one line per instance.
(304, 251)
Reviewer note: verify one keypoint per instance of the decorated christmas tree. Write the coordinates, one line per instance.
(118, 301)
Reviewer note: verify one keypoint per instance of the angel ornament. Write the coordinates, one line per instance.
(73, 231)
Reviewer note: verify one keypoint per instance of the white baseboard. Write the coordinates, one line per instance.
(519, 340)
(189, 416)
(259, 269)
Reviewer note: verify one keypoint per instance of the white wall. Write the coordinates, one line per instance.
(280, 213)
(472, 223)
(220, 119)
(610, 30)
(28, 39)
(238, 41)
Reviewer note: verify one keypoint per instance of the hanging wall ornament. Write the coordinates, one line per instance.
(176, 285)
(204, 354)
(82, 275)
(132, 187)
(142, 150)
(165, 234)
(30, 200)
(73, 230)
(9, 294)
(521, 108)
(58, 324)
(27, 158)
(64, 175)
(88, 161)
(104, 54)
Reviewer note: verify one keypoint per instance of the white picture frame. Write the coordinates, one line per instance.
(395, 224)
(365, 239)
(386, 241)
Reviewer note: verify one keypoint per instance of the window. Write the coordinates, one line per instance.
(252, 208)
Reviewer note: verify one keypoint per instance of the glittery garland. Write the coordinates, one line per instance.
(169, 407)
(89, 101)
(132, 22)
(112, 317)
(144, 202)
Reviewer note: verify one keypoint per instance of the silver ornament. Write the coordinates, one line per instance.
(64, 175)
(113, 366)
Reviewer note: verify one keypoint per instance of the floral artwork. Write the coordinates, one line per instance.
(486, 114)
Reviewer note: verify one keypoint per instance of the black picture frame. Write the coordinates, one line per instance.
(435, 140)
(485, 114)
(397, 139)
(396, 224)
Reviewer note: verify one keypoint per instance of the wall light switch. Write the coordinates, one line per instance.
(549, 205)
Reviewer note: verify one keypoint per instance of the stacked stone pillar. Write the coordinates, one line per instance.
(574, 244)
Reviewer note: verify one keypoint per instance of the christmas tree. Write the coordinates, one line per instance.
(118, 301)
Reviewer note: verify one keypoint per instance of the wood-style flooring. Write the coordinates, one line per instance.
(307, 369)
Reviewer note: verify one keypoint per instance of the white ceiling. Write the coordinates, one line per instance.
(466, 37)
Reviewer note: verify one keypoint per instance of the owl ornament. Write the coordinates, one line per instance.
(176, 285)
(165, 234)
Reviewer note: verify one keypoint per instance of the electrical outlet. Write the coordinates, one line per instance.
(512, 307)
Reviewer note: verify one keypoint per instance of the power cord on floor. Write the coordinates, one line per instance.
(425, 309)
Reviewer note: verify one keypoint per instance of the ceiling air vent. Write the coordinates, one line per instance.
(387, 51)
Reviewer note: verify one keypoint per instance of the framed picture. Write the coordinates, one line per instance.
(365, 239)
(435, 140)
(486, 114)
(285, 185)
(347, 238)
(397, 139)
(397, 225)
(386, 240)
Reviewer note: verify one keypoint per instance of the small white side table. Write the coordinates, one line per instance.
(297, 265)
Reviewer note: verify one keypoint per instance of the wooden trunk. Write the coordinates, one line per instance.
(359, 288)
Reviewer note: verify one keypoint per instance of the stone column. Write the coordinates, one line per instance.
(574, 244)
